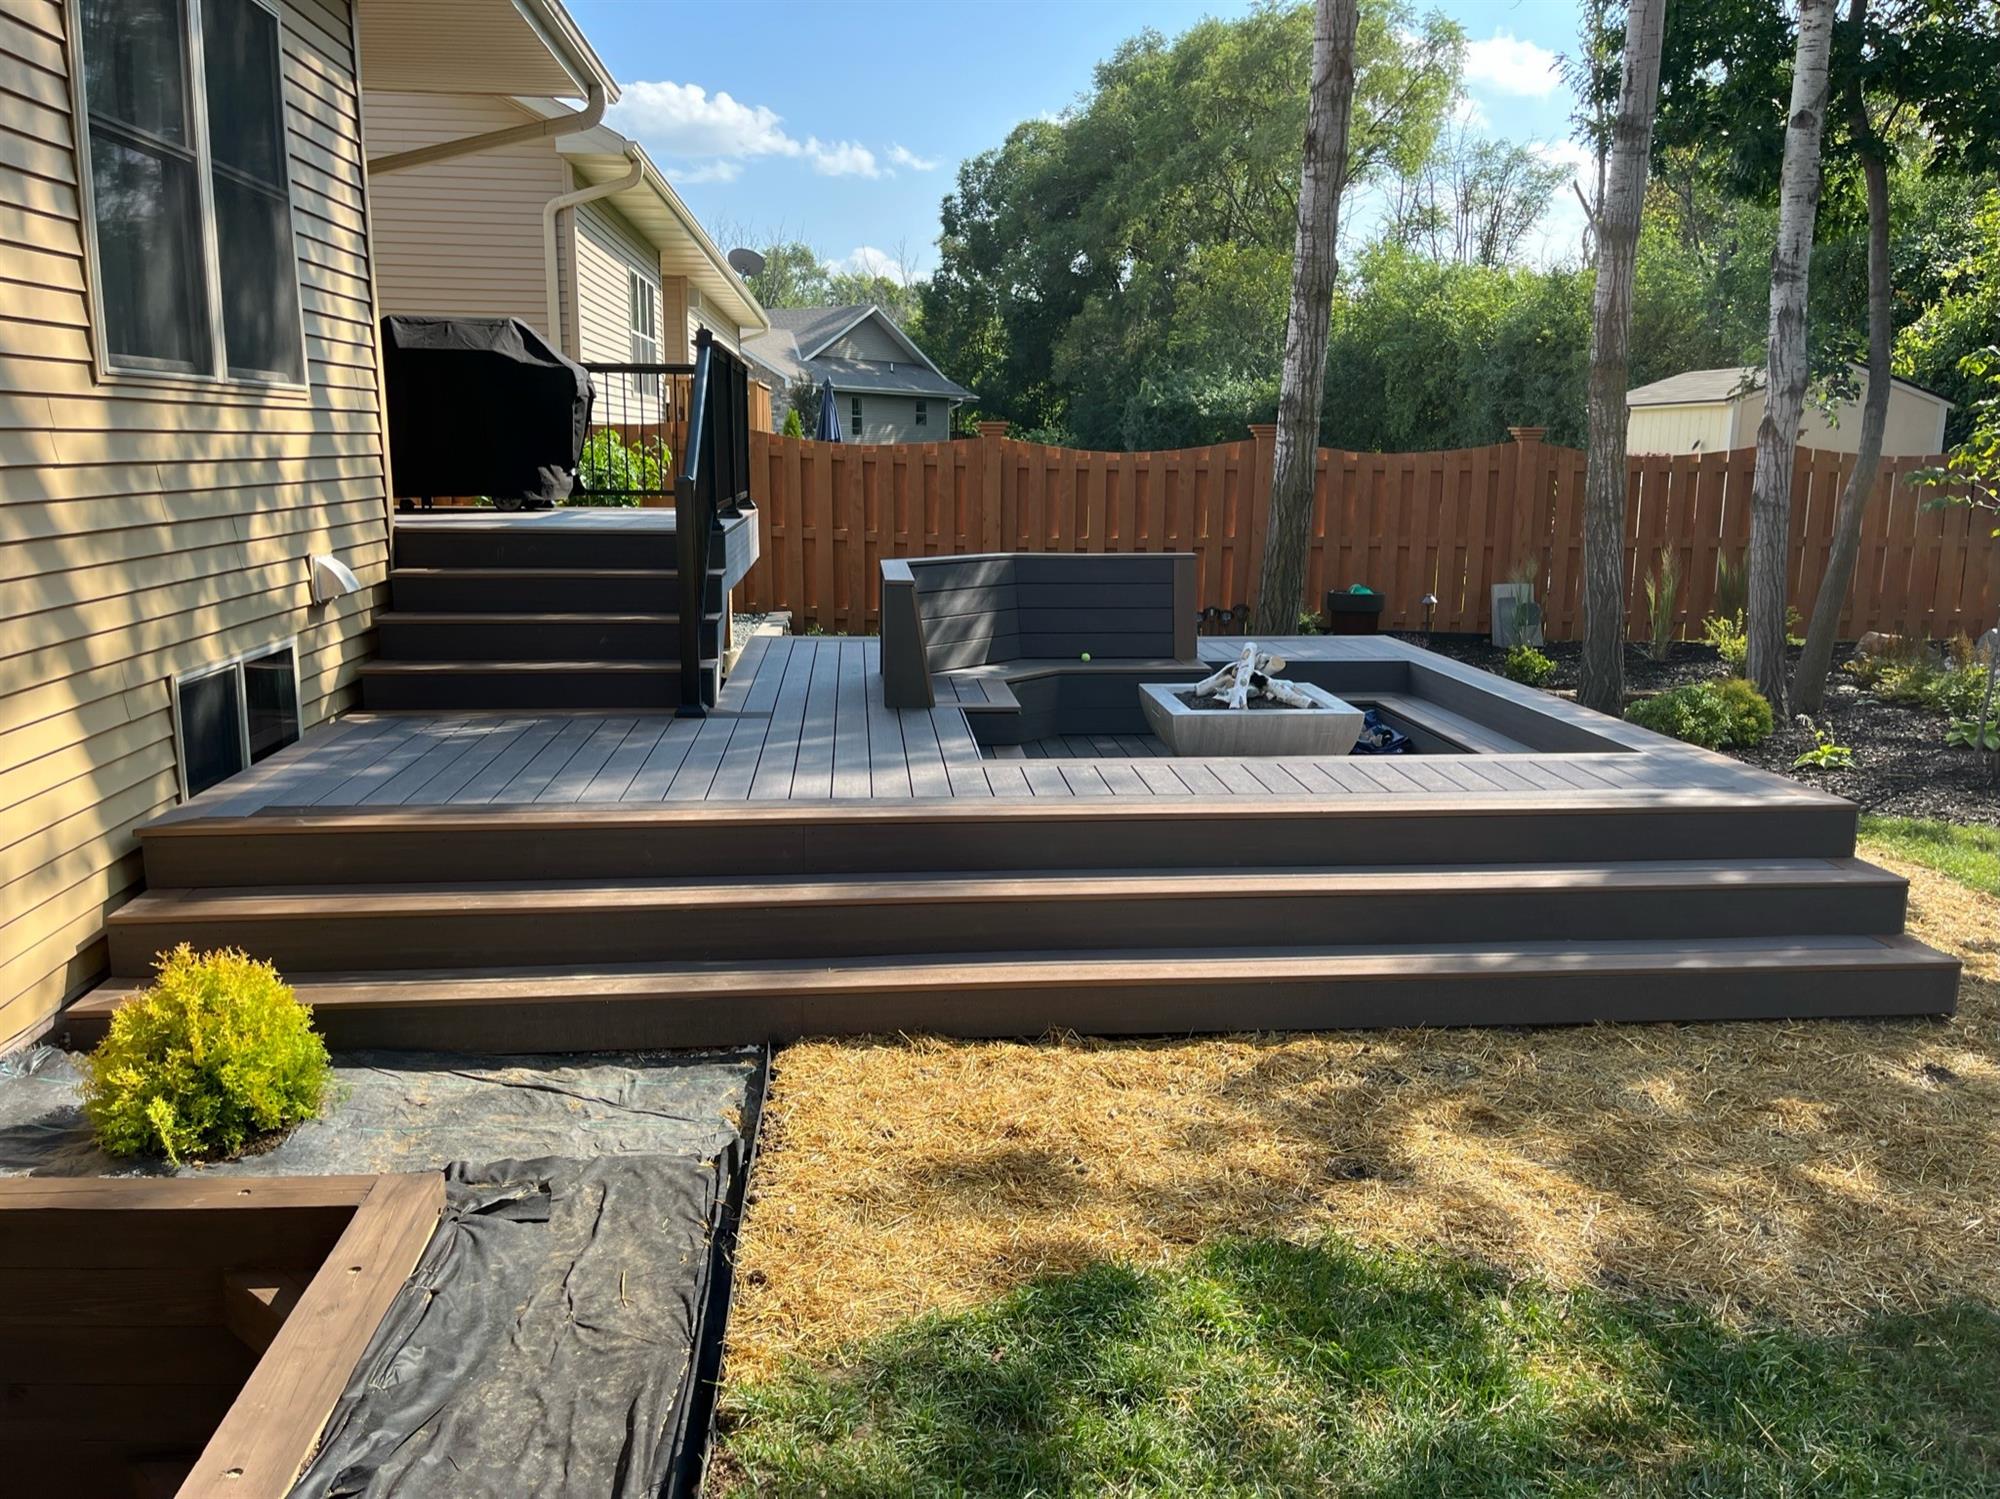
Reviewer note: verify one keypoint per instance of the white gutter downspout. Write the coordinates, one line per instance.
(570, 200)
(533, 130)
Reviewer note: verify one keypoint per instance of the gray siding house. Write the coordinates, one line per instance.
(888, 389)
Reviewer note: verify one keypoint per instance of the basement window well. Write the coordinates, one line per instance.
(231, 714)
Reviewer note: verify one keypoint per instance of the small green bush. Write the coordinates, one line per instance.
(217, 1053)
(1715, 715)
(1750, 719)
(610, 463)
(1726, 632)
(794, 427)
(1528, 666)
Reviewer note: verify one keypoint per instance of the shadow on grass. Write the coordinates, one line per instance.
(1266, 1367)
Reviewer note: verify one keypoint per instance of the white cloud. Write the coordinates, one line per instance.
(717, 133)
(866, 260)
(684, 119)
(1510, 65)
(841, 159)
(710, 171)
(1470, 113)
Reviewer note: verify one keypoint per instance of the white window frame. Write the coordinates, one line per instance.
(150, 371)
(854, 416)
(643, 296)
(234, 664)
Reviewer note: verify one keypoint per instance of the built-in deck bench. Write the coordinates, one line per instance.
(1004, 637)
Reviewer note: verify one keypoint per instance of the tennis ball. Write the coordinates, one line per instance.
(1086, 655)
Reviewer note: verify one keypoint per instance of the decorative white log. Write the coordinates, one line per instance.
(1253, 674)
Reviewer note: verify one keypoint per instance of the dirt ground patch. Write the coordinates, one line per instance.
(1810, 1174)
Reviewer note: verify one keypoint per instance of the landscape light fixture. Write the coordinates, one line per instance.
(1430, 603)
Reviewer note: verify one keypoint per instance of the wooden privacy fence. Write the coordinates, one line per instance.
(1405, 524)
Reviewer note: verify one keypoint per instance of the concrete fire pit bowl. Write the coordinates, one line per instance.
(1330, 727)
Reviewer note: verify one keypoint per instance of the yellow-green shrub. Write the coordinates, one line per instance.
(216, 1053)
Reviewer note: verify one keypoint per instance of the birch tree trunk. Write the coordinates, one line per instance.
(1809, 677)
(1282, 585)
(1602, 683)
(1785, 358)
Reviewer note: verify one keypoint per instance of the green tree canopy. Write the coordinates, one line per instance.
(1076, 257)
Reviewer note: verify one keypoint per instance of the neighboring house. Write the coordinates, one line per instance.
(633, 278)
(190, 405)
(1713, 411)
(889, 391)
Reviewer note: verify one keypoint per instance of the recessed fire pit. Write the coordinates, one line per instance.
(1246, 709)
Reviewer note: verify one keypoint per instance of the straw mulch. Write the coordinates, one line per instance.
(1811, 1174)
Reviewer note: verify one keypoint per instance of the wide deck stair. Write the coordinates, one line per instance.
(497, 614)
(551, 929)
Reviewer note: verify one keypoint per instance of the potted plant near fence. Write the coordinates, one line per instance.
(1517, 614)
(1355, 610)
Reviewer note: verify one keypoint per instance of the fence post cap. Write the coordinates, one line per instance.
(993, 429)
(1527, 434)
(1262, 430)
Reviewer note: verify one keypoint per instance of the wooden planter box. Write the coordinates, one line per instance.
(190, 1335)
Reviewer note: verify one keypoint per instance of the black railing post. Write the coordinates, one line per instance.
(693, 515)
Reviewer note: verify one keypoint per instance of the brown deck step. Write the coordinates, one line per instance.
(450, 844)
(546, 922)
(510, 589)
(445, 686)
(1115, 993)
(446, 636)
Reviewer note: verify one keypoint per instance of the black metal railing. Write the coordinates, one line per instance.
(638, 425)
(713, 481)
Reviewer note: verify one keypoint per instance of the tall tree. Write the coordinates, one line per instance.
(1785, 355)
(1616, 233)
(1281, 590)
(1816, 658)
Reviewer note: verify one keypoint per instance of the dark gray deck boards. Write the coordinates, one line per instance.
(803, 719)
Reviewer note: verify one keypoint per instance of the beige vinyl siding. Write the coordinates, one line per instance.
(607, 250)
(462, 237)
(147, 528)
(869, 340)
(1702, 428)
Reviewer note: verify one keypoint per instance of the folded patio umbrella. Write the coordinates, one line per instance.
(828, 429)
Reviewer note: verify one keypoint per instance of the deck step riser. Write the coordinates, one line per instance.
(272, 850)
(428, 547)
(574, 691)
(538, 640)
(556, 593)
(329, 938)
(1581, 995)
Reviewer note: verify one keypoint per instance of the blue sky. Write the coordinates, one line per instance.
(844, 124)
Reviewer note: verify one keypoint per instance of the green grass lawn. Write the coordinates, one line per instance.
(1970, 855)
(1266, 1367)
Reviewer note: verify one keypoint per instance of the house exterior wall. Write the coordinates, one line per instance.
(463, 237)
(868, 340)
(608, 252)
(893, 418)
(150, 526)
(704, 314)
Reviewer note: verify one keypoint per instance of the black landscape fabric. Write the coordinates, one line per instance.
(482, 406)
(547, 1342)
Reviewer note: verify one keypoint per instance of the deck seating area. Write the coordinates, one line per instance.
(1010, 853)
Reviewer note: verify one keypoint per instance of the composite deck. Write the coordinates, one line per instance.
(802, 719)
(807, 860)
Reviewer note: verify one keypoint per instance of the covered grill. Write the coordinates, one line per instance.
(482, 406)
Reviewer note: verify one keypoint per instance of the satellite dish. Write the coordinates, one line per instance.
(745, 262)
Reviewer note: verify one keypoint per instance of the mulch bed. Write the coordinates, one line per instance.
(1903, 767)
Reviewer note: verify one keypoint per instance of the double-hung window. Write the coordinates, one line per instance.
(854, 406)
(190, 197)
(644, 318)
(923, 412)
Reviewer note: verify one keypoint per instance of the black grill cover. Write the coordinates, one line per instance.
(482, 406)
